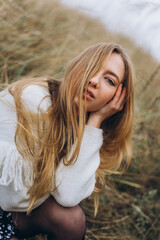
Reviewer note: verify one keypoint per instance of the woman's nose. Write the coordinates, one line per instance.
(94, 82)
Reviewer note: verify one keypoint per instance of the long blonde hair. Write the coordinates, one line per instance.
(62, 125)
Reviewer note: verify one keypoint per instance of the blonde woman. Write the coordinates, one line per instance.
(57, 139)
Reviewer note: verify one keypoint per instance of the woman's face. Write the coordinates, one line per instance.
(103, 86)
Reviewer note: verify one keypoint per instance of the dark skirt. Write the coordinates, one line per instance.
(7, 228)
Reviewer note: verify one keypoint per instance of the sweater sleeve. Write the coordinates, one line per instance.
(16, 173)
(36, 98)
(76, 182)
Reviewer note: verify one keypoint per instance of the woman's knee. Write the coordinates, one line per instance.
(75, 221)
(56, 221)
(75, 225)
(67, 223)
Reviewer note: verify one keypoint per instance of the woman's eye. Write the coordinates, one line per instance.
(110, 81)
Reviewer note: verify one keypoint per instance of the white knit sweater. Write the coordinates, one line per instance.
(74, 183)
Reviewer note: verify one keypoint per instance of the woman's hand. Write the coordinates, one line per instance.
(112, 107)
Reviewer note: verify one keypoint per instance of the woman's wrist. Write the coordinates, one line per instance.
(94, 121)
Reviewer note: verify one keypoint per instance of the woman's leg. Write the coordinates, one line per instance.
(50, 218)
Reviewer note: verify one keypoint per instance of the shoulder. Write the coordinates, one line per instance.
(36, 97)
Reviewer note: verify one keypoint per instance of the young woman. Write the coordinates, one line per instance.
(57, 139)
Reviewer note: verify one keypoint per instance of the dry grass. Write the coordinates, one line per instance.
(39, 38)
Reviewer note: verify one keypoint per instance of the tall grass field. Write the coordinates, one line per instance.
(40, 38)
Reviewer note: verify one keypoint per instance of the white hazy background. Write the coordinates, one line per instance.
(136, 19)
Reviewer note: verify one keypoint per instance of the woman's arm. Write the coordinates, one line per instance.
(76, 182)
(16, 174)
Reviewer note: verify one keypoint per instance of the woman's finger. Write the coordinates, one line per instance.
(121, 101)
(118, 94)
(122, 96)
(118, 101)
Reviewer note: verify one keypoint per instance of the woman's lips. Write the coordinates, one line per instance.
(89, 94)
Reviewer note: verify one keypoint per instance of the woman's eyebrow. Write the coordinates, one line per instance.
(113, 74)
